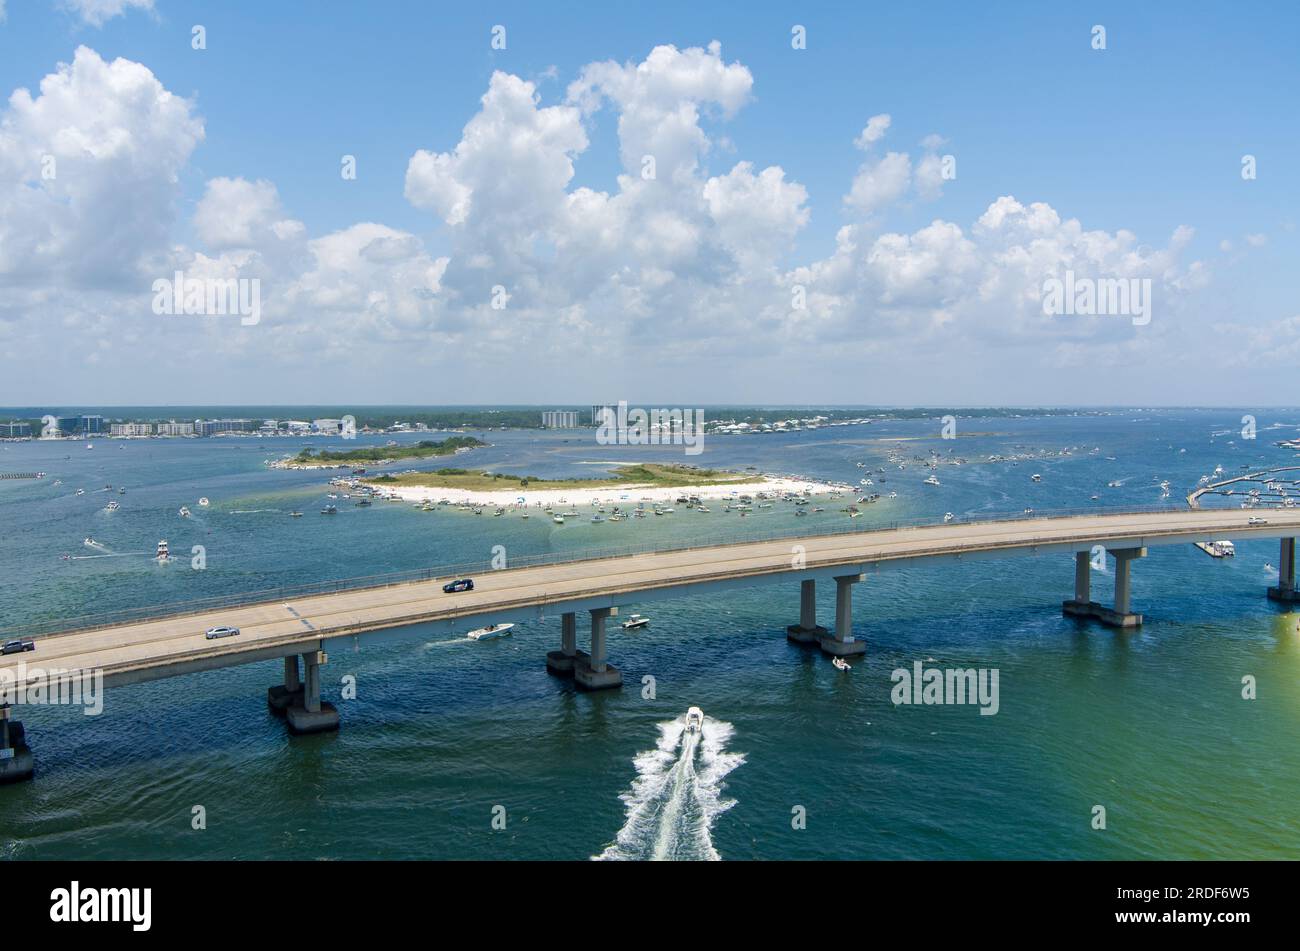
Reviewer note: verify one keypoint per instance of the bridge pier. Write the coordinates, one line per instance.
(282, 696)
(308, 713)
(1285, 590)
(807, 630)
(842, 642)
(560, 663)
(16, 761)
(1083, 606)
(592, 671)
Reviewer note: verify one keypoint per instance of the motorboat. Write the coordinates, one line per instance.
(491, 631)
(634, 621)
(204, 501)
(330, 510)
(184, 512)
(695, 721)
(558, 519)
(163, 554)
(931, 480)
(840, 663)
(112, 506)
(295, 515)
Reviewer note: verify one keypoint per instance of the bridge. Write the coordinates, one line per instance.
(305, 626)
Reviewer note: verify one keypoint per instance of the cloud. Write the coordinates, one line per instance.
(687, 269)
(98, 12)
(89, 173)
(875, 130)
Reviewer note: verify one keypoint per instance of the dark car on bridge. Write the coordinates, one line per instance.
(18, 646)
(464, 584)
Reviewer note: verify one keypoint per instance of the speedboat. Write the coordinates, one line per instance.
(695, 720)
(163, 554)
(112, 506)
(204, 501)
(635, 621)
(330, 510)
(931, 480)
(184, 512)
(295, 515)
(558, 520)
(492, 630)
(840, 663)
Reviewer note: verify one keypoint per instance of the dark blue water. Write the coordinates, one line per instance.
(1151, 725)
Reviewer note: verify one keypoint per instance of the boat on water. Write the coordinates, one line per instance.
(112, 506)
(558, 519)
(204, 501)
(81, 491)
(491, 631)
(163, 553)
(1036, 477)
(295, 515)
(330, 510)
(840, 663)
(634, 621)
(948, 516)
(184, 511)
(694, 721)
(122, 491)
(931, 480)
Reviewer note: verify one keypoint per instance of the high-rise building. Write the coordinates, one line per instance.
(131, 429)
(214, 427)
(560, 419)
(174, 428)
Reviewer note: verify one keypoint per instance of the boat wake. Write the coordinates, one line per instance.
(676, 796)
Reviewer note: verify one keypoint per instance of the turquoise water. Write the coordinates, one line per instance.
(1150, 725)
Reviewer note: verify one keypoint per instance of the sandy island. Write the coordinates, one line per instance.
(611, 493)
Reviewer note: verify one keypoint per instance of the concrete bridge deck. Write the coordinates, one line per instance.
(175, 644)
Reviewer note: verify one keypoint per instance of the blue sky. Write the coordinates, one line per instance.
(1145, 137)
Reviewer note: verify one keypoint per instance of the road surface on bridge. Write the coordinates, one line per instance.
(175, 644)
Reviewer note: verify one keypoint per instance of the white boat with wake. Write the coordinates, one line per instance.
(694, 721)
(634, 621)
(491, 631)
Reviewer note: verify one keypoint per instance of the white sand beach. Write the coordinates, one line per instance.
(612, 494)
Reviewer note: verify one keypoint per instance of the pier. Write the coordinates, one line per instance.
(301, 629)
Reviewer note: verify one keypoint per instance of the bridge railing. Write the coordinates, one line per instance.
(466, 569)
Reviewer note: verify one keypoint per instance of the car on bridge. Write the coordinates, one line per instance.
(216, 632)
(464, 584)
(18, 646)
(1256, 520)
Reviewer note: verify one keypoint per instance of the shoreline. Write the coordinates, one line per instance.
(612, 493)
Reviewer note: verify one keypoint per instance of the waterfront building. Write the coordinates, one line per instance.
(174, 428)
(131, 429)
(215, 427)
(560, 419)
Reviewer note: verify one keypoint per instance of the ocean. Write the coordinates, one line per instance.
(454, 749)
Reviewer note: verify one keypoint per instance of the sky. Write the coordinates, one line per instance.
(674, 204)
